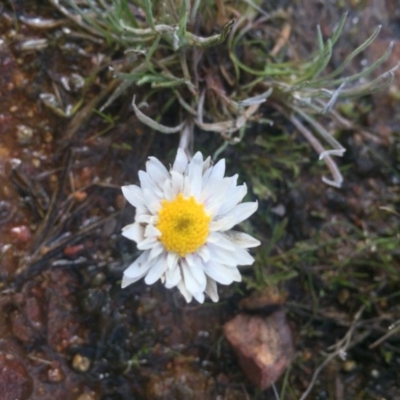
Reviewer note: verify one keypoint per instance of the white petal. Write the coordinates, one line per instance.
(221, 255)
(128, 281)
(156, 250)
(206, 176)
(220, 240)
(237, 214)
(153, 220)
(191, 283)
(221, 273)
(186, 186)
(195, 264)
(133, 232)
(199, 297)
(231, 258)
(223, 224)
(180, 162)
(153, 203)
(139, 267)
(233, 197)
(168, 192)
(144, 218)
(204, 253)
(213, 196)
(151, 231)
(141, 210)
(244, 210)
(243, 257)
(172, 260)
(185, 293)
(147, 243)
(172, 277)
(206, 164)
(242, 239)
(157, 270)
(134, 195)
(176, 182)
(218, 170)
(195, 174)
(147, 183)
(215, 172)
(211, 289)
(158, 173)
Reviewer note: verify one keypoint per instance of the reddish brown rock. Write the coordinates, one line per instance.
(21, 233)
(20, 328)
(263, 345)
(55, 373)
(62, 327)
(27, 321)
(73, 251)
(15, 383)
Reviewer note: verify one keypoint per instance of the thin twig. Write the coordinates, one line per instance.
(340, 350)
(315, 143)
(384, 337)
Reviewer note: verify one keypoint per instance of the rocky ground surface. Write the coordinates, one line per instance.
(68, 331)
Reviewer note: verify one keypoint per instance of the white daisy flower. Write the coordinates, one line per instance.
(183, 225)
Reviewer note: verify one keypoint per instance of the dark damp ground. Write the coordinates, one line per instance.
(67, 330)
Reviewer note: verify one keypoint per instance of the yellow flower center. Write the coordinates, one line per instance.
(184, 225)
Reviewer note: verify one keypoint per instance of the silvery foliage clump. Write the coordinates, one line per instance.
(163, 57)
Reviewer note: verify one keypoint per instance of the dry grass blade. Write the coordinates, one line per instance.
(340, 350)
(153, 124)
(337, 176)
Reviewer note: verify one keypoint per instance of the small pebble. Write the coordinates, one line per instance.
(48, 137)
(375, 373)
(55, 374)
(99, 279)
(80, 363)
(24, 134)
(343, 296)
(21, 233)
(349, 365)
(85, 396)
(80, 196)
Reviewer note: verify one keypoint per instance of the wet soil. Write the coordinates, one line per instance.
(67, 330)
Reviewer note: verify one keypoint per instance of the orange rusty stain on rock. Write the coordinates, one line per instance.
(72, 251)
(15, 382)
(80, 196)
